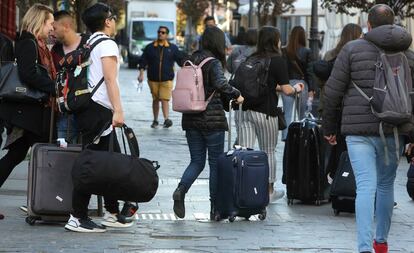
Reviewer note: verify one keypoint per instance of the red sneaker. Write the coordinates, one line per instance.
(380, 247)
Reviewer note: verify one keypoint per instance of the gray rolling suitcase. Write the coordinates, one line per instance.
(50, 182)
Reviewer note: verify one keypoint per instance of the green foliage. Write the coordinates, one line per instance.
(270, 9)
(402, 8)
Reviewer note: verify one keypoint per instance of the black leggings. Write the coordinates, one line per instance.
(16, 153)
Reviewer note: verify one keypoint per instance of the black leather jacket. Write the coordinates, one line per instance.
(304, 59)
(213, 118)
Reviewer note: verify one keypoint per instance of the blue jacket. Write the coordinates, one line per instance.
(159, 61)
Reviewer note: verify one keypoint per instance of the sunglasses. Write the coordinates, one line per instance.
(114, 17)
(162, 32)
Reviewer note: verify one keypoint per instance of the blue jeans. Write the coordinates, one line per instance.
(375, 186)
(67, 127)
(199, 142)
(288, 102)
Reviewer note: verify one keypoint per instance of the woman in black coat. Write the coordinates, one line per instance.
(205, 130)
(28, 123)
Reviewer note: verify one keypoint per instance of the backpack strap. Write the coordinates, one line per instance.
(92, 46)
(202, 63)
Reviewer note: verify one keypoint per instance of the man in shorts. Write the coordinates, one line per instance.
(159, 58)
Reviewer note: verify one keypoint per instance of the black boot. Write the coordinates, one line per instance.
(178, 197)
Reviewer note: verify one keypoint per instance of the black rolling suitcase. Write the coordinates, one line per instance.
(50, 182)
(303, 160)
(410, 181)
(242, 183)
(343, 188)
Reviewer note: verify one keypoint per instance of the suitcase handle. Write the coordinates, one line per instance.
(231, 111)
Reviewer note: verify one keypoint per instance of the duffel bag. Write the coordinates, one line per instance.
(118, 176)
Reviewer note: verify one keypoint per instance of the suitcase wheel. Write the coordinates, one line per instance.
(290, 202)
(217, 217)
(30, 220)
(318, 202)
(232, 218)
(336, 212)
(263, 215)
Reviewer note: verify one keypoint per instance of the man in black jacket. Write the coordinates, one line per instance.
(367, 151)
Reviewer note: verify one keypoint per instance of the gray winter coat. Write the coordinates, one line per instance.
(356, 62)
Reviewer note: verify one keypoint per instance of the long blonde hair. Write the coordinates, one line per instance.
(35, 18)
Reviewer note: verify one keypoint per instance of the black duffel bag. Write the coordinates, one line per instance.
(115, 175)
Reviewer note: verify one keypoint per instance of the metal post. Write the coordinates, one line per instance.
(314, 40)
(250, 13)
(212, 7)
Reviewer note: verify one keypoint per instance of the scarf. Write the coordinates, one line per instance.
(46, 58)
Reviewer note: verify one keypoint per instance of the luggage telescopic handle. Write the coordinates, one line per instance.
(230, 120)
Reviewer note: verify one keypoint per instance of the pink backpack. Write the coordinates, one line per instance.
(188, 95)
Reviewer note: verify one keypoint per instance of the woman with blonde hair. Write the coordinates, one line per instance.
(29, 123)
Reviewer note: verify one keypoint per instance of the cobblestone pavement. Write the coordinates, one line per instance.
(297, 228)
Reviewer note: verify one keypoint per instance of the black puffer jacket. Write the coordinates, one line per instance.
(356, 62)
(213, 118)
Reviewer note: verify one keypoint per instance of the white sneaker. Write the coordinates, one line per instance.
(83, 225)
(112, 220)
(276, 195)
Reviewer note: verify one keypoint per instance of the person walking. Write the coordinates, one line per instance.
(356, 67)
(104, 108)
(28, 123)
(241, 52)
(299, 59)
(205, 130)
(259, 119)
(67, 41)
(158, 58)
(349, 33)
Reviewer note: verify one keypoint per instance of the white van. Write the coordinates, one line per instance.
(141, 32)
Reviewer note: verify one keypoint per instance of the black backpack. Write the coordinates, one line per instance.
(250, 79)
(72, 87)
(323, 69)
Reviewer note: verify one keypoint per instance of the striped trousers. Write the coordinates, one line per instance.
(254, 125)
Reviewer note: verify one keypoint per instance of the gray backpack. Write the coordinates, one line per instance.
(392, 98)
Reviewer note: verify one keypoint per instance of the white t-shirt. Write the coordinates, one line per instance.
(105, 48)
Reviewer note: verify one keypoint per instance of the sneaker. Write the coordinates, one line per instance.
(83, 225)
(23, 209)
(380, 247)
(154, 124)
(129, 211)
(276, 195)
(115, 221)
(167, 123)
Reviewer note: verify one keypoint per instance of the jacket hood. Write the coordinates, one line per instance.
(390, 37)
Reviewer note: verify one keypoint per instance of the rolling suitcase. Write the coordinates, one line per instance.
(303, 160)
(410, 181)
(343, 188)
(50, 182)
(242, 182)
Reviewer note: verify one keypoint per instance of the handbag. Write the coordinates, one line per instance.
(13, 89)
(118, 176)
(281, 118)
